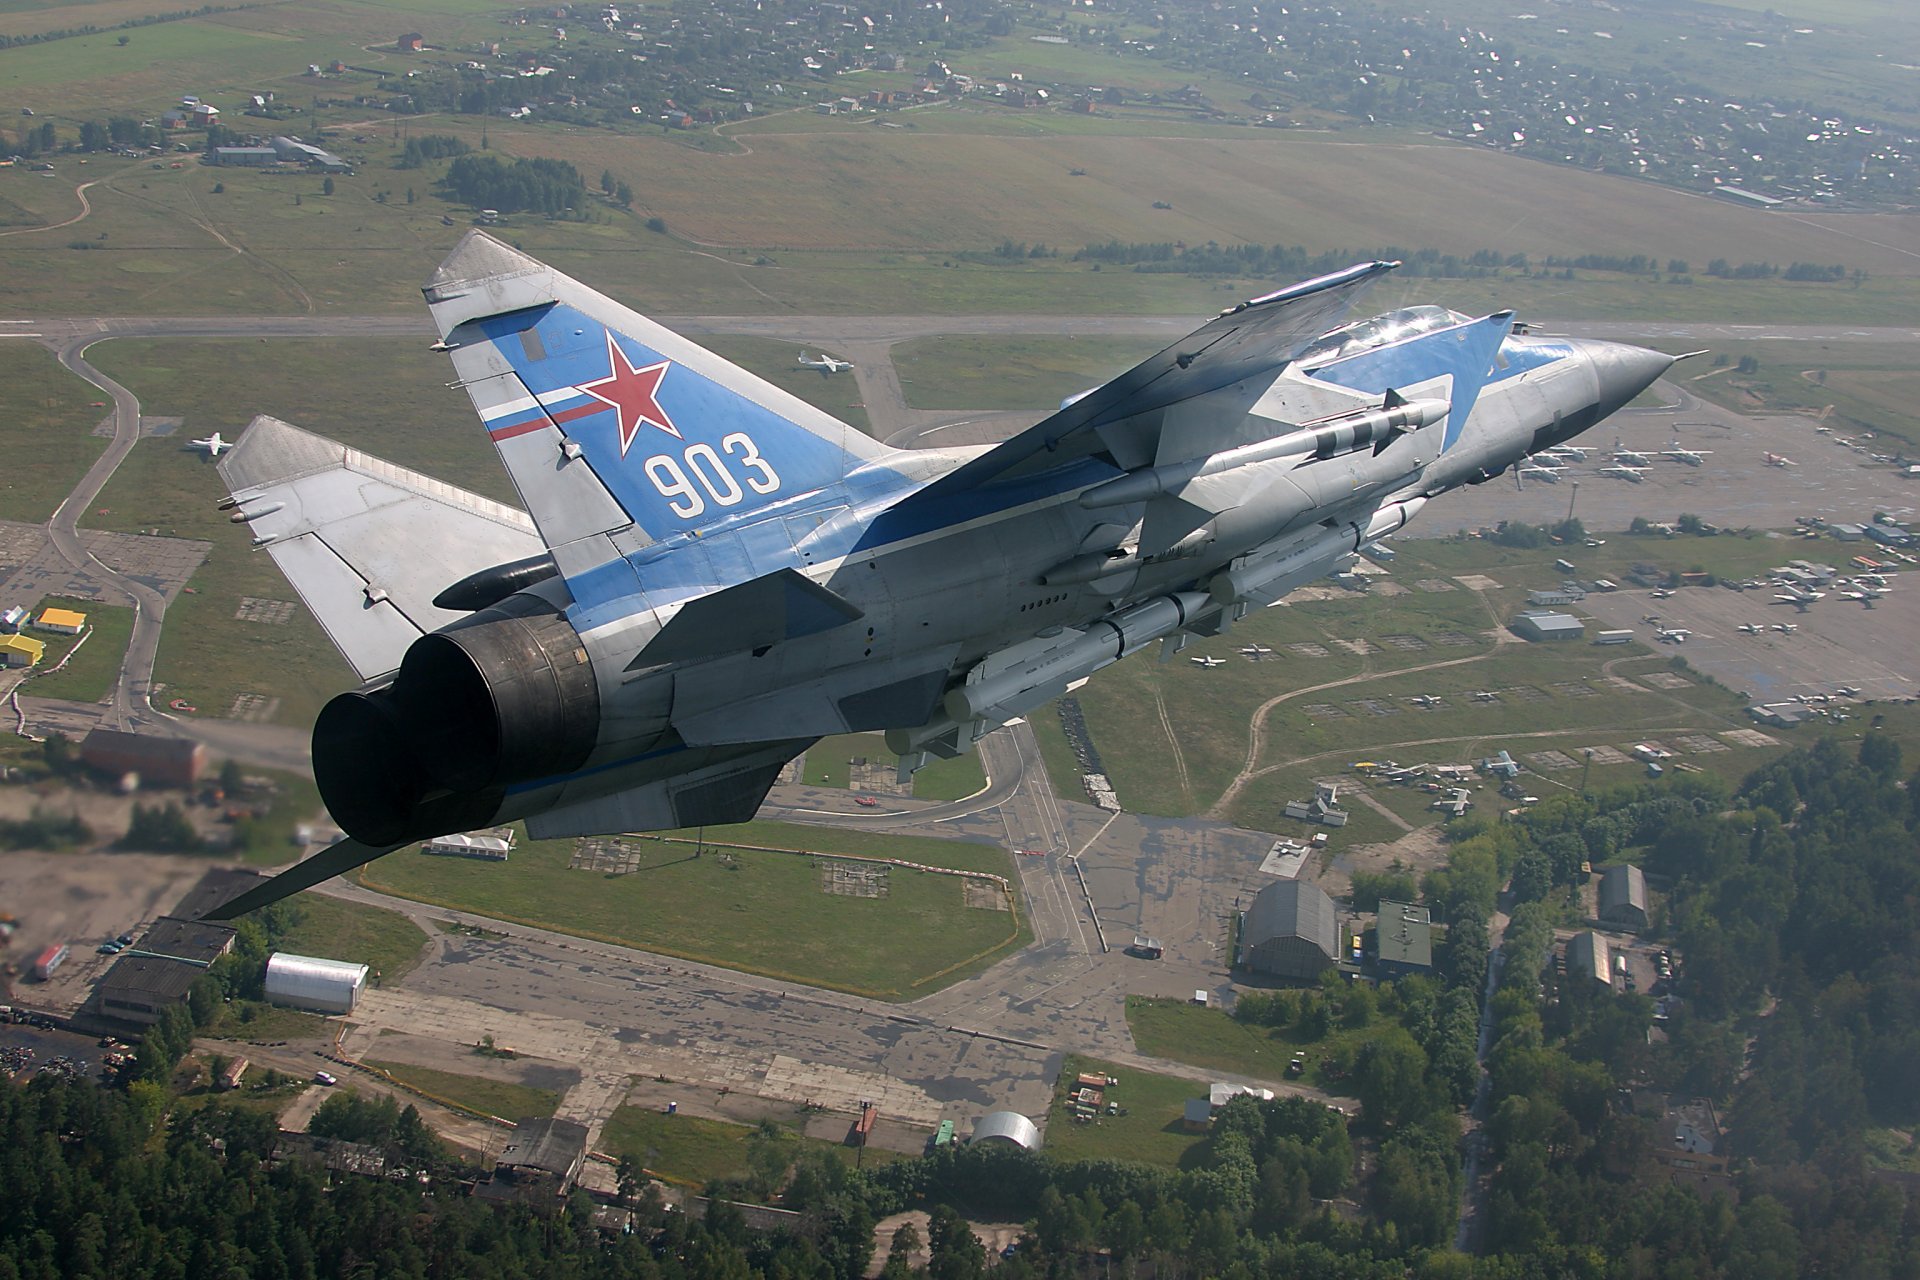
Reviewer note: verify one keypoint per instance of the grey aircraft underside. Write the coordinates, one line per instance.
(710, 574)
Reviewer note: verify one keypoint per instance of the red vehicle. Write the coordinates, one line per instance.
(865, 802)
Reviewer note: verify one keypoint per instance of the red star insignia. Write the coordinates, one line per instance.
(631, 393)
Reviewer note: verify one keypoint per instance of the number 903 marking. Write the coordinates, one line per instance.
(676, 478)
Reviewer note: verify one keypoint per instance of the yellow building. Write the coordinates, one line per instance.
(64, 621)
(21, 651)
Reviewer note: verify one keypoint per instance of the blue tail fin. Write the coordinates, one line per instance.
(605, 418)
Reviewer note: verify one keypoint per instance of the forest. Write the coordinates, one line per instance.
(1792, 901)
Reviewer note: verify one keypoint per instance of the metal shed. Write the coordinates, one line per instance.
(309, 982)
(1007, 1126)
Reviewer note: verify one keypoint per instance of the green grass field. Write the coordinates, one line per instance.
(49, 415)
(89, 675)
(759, 911)
(1211, 1038)
(164, 240)
(695, 1151)
(385, 941)
(207, 655)
(779, 363)
(1173, 737)
(257, 1021)
(1858, 386)
(500, 1098)
(1010, 372)
(1152, 1130)
(829, 764)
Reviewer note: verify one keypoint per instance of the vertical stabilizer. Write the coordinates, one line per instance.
(607, 420)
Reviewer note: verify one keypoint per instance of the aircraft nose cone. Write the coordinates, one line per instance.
(1622, 372)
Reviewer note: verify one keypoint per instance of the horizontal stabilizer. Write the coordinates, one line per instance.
(367, 544)
(1252, 338)
(758, 613)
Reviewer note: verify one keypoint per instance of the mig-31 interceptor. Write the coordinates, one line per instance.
(710, 574)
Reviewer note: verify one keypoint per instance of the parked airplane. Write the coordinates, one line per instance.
(1692, 457)
(213, 446)
(1255, 652)
(1786, 628)
(712, 574)
(1535, 472)
(1486, 695)
(825, 363)
(1631, 457)
(1572, 452)
(1426, 700)
(1209, 663)
(1635, 474)
(1673, 635)
(1752, 628)
(1777, 459)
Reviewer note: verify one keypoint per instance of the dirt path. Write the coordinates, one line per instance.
(80, 193)
(1173, 741)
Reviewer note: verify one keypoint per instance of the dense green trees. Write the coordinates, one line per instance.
(552, 187)
(1793, 906)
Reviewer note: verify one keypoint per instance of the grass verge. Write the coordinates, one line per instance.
(722, 902)
(500, 1098)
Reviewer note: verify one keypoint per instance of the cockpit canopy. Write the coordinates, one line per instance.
(1377, 331)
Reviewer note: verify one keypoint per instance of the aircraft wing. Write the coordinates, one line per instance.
(367, 544)
(1248, 339)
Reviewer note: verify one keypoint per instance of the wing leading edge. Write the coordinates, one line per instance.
(1116, 420)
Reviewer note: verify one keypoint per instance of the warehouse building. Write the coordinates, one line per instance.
(1008, 1127)
(540, 1163)
(1546, 624)
(308, 982)
(1623, 897)
(139, 988)
(1588, 957)
(1403, 939)
(246, 157)
(199, 942)
(21, 651)
(1290, 930)
(165, 762)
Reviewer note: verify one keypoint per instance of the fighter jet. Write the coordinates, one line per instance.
(213, 446)
(710, 574)
(825, 363)
(1208, 663)
(1634, 474)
